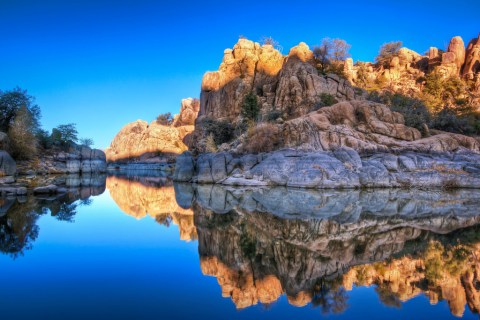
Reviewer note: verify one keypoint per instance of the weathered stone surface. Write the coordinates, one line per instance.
(290, 84)
(184, 168)
(8, 166)
(188, 113)
(471, 69)
(142, 142)
(342, 168)
(457, 47)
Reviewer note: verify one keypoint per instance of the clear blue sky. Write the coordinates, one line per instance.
(102, 64)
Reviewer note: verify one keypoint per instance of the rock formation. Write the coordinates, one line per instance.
(289, 84)
(140, 141)
(471, 68)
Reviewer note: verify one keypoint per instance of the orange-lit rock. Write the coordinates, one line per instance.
(140, 140)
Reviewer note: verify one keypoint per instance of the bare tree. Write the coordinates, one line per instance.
(387, 52)
(330, 54)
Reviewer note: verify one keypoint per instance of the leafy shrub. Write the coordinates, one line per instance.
(23, 142)
(330, 54)
(273, 115)
(250, 108)
(326, 100)
(165, 119)
(221, 131)
(414, 111)
(447, 120)
(263, 137)
(87, 142)
(387, 52)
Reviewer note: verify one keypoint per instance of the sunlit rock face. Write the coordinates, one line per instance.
(290, 83)
(141, 198)
(142, 141)
(261, 244)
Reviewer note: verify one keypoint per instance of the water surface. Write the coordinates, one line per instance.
(140, 247)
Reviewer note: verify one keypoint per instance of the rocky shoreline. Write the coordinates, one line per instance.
(343, 168)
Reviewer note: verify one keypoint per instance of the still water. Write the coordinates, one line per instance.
(140, 247)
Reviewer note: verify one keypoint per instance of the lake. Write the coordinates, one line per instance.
(138, 246)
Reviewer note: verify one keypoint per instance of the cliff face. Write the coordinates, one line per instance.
(289, 84)
(140, 141)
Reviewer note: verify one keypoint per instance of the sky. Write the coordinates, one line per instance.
(104, 63)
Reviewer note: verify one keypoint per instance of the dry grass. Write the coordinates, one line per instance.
(444, 169)
(263, 137)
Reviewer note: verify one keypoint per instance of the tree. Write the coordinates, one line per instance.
(165, 119)
(87, 142)
(21, 134)
(272, 42)
(65, 133)
(11, 101)
(250, 108)
(331, 54)
(387, 52)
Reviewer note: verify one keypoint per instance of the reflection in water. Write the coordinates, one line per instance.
(19, 215)
(154, 196)
(312, 246)
(315, 245)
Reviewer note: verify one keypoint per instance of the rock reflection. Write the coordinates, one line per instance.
(314, 246)
(19, 215)
(139, 196)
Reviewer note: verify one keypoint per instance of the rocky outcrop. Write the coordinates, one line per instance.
(341, 168)
(289, 84)
(154, 143)
(471, 68)
(188, 113)
(8, 166)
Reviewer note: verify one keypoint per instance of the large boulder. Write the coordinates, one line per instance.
(472, 59)
(188, 113)
(457, 47)
(8, 166)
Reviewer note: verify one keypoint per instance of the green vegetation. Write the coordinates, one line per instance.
(220, 131)
(326, 100)
(20, 119)
(250, 107)
(419, 115)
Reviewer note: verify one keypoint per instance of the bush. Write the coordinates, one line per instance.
(21, 133)
(330, 54)
(263, 137)
(326, 100)
(414, 111)
(273, 115)
(221, 131)
(165, 119)
(447, 120)
(250, 108)
(86, 142)
(387, 52)
(64, 134)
